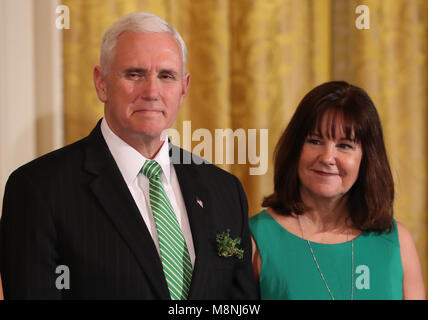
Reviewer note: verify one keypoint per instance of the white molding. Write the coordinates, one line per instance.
(48, 78)
(17, 107)
(31, 117)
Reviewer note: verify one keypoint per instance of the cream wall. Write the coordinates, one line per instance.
(31, 121)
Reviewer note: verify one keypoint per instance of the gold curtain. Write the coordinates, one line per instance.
(251, 61)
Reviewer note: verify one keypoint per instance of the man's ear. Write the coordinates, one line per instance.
(186, 83)
(100, 84)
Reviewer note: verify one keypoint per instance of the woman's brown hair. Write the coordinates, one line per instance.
(370, 199)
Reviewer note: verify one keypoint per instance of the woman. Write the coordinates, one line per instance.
(328, 231)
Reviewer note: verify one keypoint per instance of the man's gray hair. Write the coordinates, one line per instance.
(143, 22)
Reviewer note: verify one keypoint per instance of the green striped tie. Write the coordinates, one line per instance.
(173, 250)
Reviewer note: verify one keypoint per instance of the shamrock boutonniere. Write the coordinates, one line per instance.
(226, 246)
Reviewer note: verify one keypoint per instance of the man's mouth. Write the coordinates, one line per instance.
(148, 111)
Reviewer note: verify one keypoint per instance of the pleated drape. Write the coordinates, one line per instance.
(251, 61)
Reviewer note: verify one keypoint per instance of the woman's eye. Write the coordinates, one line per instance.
(314, 141)
(345, 146)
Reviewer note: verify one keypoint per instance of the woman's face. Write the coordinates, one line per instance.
(328, 167)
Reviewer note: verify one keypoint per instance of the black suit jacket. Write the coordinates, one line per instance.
(72, 207)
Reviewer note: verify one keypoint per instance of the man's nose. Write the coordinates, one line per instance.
(150, 90)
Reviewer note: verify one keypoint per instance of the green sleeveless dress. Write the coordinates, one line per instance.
(289, 272)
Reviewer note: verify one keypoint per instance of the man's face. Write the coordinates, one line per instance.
(145, 85)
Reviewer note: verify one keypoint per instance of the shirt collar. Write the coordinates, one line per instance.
(129, 160)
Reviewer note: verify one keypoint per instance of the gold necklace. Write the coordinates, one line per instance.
(318, 266)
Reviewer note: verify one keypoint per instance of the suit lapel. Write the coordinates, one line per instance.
(197, 201)
(113, 194)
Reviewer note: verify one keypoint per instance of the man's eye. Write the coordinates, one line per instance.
(166, 76)
(133, 75)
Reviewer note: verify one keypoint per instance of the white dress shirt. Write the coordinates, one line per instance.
(130, 162)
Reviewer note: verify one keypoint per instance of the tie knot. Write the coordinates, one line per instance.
(151, 169)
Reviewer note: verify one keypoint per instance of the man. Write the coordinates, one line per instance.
(99, 220)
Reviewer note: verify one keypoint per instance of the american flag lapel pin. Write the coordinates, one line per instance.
(199, 201)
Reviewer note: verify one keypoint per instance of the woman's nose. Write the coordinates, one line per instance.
(328, 154)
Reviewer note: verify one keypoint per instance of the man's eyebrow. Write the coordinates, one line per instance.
(143, 71)
(135, 69)
(170, 71)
